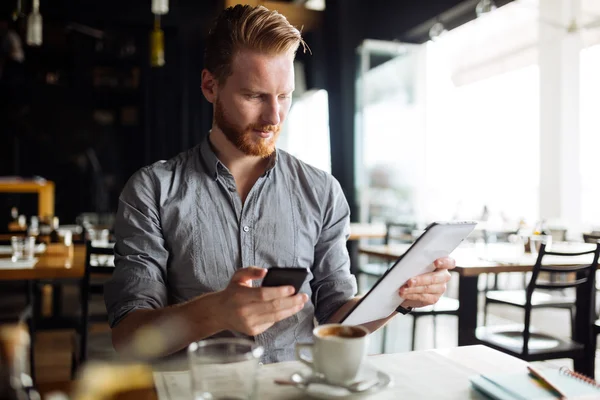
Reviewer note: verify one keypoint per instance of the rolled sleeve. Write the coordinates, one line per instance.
(333, 284)
(139, 279)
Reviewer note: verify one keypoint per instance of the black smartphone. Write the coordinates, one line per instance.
(284, 276)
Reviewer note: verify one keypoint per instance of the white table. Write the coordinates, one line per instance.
(432, 374)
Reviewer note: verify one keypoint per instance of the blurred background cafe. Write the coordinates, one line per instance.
(424, 111)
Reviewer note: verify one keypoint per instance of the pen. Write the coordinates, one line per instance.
(541, 376)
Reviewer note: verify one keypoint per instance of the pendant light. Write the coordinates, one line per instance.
(160, 7)
(157, 44)
(17, 13)
(34, 25)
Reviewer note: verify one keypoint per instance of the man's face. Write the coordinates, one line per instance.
(252, 104)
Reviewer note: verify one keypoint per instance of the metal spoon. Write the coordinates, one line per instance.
(302, 383)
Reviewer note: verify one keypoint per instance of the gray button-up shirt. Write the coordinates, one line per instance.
(183, 231)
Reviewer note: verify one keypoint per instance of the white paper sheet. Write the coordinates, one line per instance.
(416, 375)
(173, 385)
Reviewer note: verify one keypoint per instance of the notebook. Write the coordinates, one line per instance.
(523, 386)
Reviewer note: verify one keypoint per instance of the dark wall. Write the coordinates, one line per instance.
(55, 133)
(343, 32)
(86, 112)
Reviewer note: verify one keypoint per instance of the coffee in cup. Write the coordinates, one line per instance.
(337, 353)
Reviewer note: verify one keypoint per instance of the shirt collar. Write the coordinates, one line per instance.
(213, 164)
(272, 162)
(209, 157)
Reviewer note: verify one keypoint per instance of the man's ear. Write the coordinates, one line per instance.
(209, 86)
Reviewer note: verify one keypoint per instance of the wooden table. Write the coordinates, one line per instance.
(66, 265)
(358, 231)
(50, 266)
(440, 374)
(43, 188)
(496, 258)
(366, 231)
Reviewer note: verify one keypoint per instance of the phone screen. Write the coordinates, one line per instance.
(284, 276)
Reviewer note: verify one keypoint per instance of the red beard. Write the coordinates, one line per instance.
(245, 139)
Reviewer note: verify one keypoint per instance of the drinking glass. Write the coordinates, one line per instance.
(224, 369)
(23, 248)
(536, 242)
(99, 237)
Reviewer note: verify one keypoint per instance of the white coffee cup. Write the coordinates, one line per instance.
(337, 352)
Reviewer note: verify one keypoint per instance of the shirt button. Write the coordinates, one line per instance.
(246, 229)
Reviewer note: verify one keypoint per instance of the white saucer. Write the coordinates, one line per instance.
(321, 390)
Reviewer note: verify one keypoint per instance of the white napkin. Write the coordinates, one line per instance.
(7, 263)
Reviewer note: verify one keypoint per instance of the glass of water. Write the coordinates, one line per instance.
(536, 242)
(23, 248)
(224, 369)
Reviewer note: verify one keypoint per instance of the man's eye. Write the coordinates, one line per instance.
(254, 96)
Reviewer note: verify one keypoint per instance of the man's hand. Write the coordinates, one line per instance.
(426, 289)
(253, 310)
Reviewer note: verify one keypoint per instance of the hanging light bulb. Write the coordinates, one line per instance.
(484, 7)
(157, 44)
(34, 25)
(17, 12)
(436, 31)
(160, 7)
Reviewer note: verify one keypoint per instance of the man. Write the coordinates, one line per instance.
(194, 233)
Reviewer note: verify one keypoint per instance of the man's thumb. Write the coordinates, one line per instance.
(245, 275)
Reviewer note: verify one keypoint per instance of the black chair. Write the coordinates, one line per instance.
(523, 341)
(16, 300)
(99, 266)
(539, 299)
(402, 233)
(394, 233)
(560, 300)
(15, 303)
(444, 306)
(594, 238)
(590, 238)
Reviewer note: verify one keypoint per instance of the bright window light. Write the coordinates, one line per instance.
(306, 132)
(590, 136)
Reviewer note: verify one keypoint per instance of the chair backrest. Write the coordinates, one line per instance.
(591, 237)
(396, 232)
(558, 234)
(584, 279)
(98, 260)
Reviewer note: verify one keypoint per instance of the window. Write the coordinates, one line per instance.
(451, 139)
(590, 136)
(482, 148)
(306, 133)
